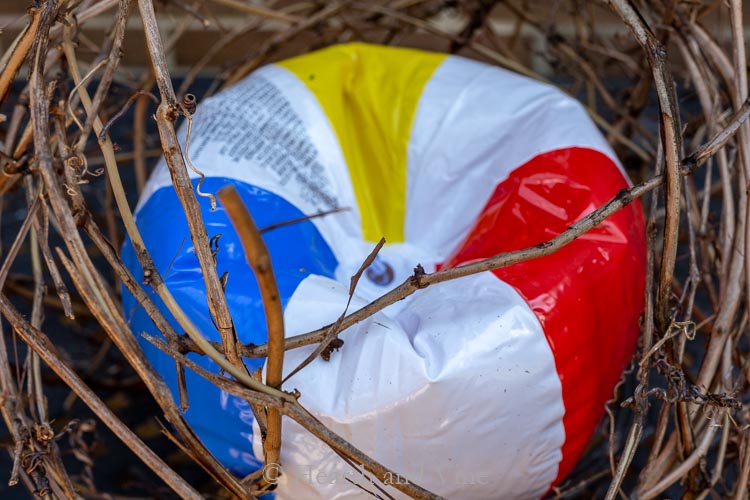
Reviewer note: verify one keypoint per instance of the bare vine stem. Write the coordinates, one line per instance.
(48, 353)
(165, 116)
(259, 260)
(656, 54)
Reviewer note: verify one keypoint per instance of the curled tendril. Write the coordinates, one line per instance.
(202, 176)
(75, 90)
(190, 103)
(687, 328)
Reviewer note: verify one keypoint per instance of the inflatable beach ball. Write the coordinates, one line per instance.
(488, 386)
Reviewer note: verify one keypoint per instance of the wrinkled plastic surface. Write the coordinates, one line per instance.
(486, 387)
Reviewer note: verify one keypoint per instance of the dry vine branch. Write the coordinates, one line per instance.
(165, 117)
(46, 350)
(260, 261)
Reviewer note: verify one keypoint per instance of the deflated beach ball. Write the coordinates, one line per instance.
(489, 386)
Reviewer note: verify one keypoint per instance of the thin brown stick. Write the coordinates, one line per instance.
(685, 466)
(258, 10)
(41, 345)
(259, 259)
(113, 60)
(165, 117)
(139, 139)
(672, 141)
(647, 337)
(20, 51)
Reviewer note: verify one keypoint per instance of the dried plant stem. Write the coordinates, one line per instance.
(48, 353)
(18, 55)
(647, 339)
(732, 292)
(684, 467)
(259, 260)
(260, 11)
(112, 61)
(743, 240)
(671, 139)
(139, 139)
(165, 116)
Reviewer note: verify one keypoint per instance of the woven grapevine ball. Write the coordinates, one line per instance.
(488, 386)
